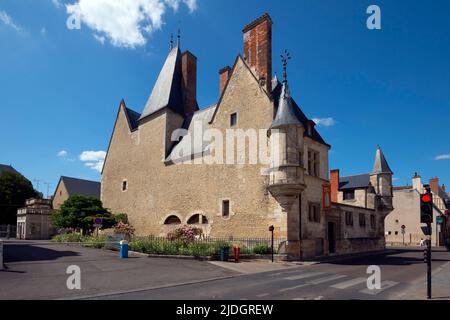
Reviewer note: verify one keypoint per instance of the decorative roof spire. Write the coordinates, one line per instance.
(285, 57)
(171, 41)
(179, 38)
(380, 165)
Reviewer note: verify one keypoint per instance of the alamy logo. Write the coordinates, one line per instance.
(74, 280)
(374, 20)
(374, 281)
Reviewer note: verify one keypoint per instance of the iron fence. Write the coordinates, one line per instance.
(8, 231)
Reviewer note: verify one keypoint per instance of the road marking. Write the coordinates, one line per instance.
(384, 286)
(263, 295)
(349, 283)
(304, 275)
(295, 287)
(327, 279)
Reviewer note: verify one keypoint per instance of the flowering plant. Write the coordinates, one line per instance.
(124, 228)
(185, 233)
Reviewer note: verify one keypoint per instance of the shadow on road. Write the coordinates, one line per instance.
(25, 252)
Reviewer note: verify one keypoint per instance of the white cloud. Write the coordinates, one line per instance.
(326, 122)
(57, 3)
(43, 31)
(125, 23)
(62, 154)
(100, 39)
(443, 157)
(93, 159)
(7, 20)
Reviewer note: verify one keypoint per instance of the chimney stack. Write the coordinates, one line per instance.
(224, 74)
(417, 183)
(258, 48)
(434, 185)
(189, 71)
(334, 184)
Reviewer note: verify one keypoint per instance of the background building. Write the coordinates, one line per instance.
(71, 186)
(407, 212)
(33, 220)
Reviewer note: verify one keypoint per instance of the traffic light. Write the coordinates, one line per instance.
(426, 207)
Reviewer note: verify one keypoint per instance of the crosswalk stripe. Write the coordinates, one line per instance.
(327, 279)
(349, 283)
(295, 287)
(304, 275)
(384, 286)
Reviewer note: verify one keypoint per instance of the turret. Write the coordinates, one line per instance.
(381, 180)
(286, 137)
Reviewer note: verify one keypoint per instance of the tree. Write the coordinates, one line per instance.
(80, 211)
(14, 190)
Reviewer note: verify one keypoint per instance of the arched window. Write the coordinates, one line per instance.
(172, 220)
(198, 219)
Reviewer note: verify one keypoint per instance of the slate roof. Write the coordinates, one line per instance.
(381, 165)
(186, 149)
(276, 94)
(354, 182)
(285, 112)
(7, 168)
(167, 91)
(81, 187)
(133, 118)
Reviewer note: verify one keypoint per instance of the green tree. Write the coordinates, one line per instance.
(14, 190)
(80, 211)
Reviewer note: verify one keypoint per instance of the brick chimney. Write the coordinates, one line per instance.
(224, 75)
(434, 185)
(334, 184)
(258, 48)
(189, 71)
(417, 183)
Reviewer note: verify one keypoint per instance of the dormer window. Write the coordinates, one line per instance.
(233, 119)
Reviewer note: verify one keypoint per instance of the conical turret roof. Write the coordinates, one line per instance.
(380, 165)
(286, 114)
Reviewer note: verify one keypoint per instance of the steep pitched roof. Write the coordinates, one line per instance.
(380, 165)
(167, 91)
(286, 114)
(354, 182)
(81, 187)
(7, 168)
(276, 95)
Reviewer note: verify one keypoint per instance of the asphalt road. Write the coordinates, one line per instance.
(38, 271)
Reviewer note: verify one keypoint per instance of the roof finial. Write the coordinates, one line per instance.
(179, 38)
(171, 41)
(285, 57)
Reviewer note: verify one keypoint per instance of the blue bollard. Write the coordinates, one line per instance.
(124, 249)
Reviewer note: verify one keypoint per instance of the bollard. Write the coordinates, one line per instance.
(123, 249)
(237, 252)
(1, 255)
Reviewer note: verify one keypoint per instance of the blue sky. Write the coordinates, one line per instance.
(60, 88)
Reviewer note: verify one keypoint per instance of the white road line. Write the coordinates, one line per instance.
(327, 279)
(263, 295)
(349, 283)
(304, 275)
(384, 286)
(295, 287)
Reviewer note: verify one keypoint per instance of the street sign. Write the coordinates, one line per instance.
(98, 222)
(439, 220)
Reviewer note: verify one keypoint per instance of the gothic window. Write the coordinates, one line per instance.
(348, 218)
(198, 219)
(362, 220)
(372, 221)
(313, 163)
(314, 212)
(172, 220)
(233, 119)
(226, 208)
(349, 194)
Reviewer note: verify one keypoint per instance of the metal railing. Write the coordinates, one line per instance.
(8, 231)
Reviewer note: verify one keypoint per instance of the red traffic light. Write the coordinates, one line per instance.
(426, 198)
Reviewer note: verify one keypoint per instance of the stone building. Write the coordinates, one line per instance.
(407, 213)
(33, 220)
(68, 186)
(170, 165)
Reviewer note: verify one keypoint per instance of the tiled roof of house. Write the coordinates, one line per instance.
(354, 182)
(81, 187)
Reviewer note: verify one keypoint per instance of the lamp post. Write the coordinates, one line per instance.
(271, 229)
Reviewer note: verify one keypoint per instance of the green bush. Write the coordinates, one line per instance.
(262, 249)
(91, 241)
